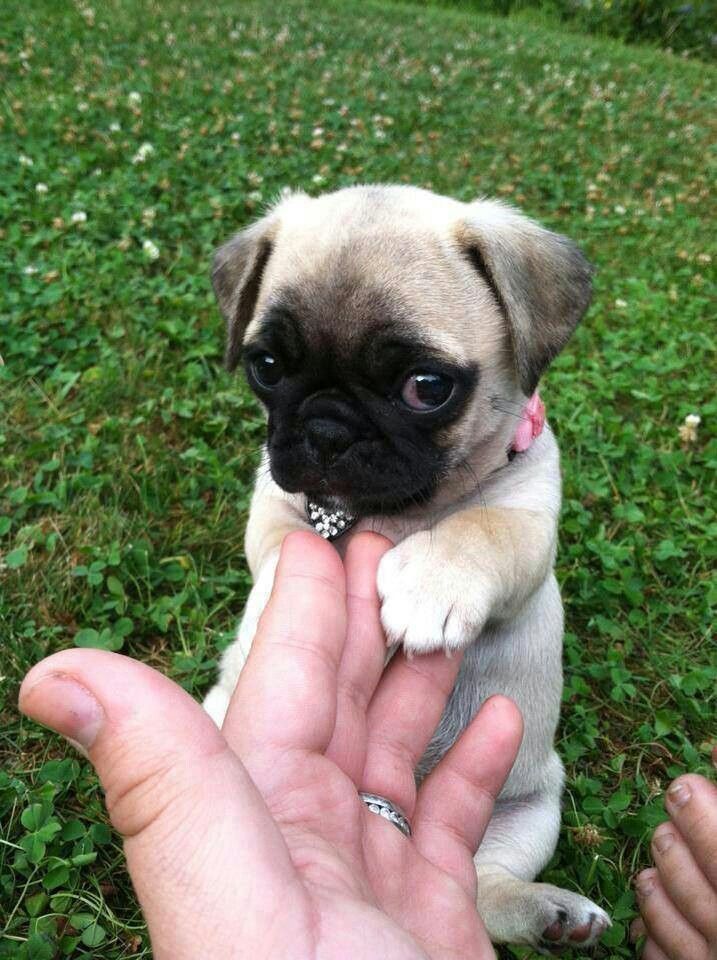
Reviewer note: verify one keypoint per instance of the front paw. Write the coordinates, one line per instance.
(428, 602)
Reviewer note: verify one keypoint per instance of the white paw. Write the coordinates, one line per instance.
(562, 919)
(427, 601)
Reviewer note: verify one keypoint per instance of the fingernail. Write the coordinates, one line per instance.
(678, 794)
(63, 704)
(662, 842)
(644, 885)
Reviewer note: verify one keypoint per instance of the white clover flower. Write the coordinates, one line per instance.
(145, 150)
(83, 107)
(688, 430)
(41, 188)
(25, 161)
(620, 303)
(134, 98)
(618, 208)
(150, 250)
(79, 216)
(148, 215)
(115, 127)
(318, 178)
(30, 269)
(254, 195)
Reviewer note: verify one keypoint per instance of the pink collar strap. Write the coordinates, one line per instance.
(532, 421)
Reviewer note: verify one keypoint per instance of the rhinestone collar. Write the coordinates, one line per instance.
(329, 524)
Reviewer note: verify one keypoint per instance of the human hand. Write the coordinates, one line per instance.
(252, 841)
(678, 896)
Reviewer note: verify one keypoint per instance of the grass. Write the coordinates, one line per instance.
(686, 29)
(126, 452)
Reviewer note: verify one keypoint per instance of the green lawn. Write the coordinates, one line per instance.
(126, 452)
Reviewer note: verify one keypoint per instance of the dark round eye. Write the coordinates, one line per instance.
(267, 370)
(426, 391)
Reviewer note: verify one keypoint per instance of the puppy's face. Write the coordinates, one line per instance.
(375, 326)
(361, 400)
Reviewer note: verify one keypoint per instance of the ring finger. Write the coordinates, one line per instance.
(402, 718)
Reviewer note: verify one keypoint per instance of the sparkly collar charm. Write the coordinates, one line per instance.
(329, 524)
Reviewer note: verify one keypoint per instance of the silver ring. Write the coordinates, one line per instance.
(388, 810)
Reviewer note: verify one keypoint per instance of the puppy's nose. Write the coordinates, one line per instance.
(328, 437)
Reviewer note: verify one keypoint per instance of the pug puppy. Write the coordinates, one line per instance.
(396, 339)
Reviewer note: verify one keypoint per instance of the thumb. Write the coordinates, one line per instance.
(190, 815)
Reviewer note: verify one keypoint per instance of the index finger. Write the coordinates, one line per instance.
(364, 654)
(691, 802)
(286, 696)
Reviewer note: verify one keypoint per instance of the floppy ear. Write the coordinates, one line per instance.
(540, 279)
(237, 272)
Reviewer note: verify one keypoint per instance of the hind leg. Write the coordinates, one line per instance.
(518, 843)
(216, 702)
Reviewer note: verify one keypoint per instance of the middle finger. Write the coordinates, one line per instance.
(683, 881)
(665, 924)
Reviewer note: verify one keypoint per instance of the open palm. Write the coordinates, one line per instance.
(253, 842)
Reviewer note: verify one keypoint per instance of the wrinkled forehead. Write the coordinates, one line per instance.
(349, 324)
(346, 286)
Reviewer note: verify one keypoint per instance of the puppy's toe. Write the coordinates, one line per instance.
(572, 921)
(461, 626)
(556, 930)
(414, 624)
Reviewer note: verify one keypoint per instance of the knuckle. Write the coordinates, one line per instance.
(135, 804)
(392, 748)
(152, 790)
(352, 690)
